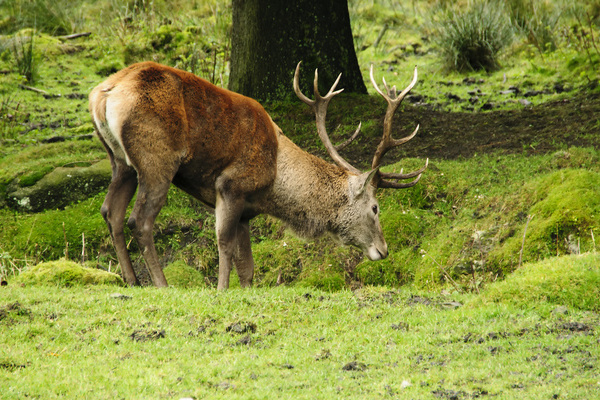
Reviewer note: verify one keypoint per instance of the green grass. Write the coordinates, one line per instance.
(112, 342)
(573, 281)
(463, 222)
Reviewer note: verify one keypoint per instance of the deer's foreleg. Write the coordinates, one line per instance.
(228, 211)
(244, 263)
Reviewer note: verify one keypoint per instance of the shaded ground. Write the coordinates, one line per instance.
(449, 135)
(535, 129)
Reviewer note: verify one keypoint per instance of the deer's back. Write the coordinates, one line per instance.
(162, 117)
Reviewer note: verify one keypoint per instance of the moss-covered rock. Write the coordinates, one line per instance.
(565, 206)
(572, 281)
(179, 274)
(66, 274)
(60, 187)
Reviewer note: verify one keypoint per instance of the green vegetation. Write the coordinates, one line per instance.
(472, 39)
(179, 274)
(107, 342)
(491, 286)
(571, 281)
(25, 57)
(65, 273)
(462, 226)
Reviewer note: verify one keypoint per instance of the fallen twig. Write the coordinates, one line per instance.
(40, 91)
(529, 218)
(75, 36)
(446, 274)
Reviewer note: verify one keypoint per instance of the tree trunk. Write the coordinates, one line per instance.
(269, 37)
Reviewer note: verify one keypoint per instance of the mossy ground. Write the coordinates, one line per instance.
(465, 220)
(116, 342)
(64, 273)
(571, 281)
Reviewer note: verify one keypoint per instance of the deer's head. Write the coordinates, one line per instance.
(359, 218)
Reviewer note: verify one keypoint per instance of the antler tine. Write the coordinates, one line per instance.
(319, 106)
(383, 184)
(391, 95)
(410, 86)
(387, 142)
(331, 92)
(386, 175)
(350, 139)
(398, 142)
(297, 90)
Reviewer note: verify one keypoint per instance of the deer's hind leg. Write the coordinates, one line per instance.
(150, 199)
(120, 192)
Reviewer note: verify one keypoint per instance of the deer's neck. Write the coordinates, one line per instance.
(308, 193)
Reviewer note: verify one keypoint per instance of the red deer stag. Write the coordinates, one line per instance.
(161, 125)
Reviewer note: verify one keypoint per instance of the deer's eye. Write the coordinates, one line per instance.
(374, 208)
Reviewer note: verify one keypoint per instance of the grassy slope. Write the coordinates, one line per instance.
(295, 343)
(467, 216)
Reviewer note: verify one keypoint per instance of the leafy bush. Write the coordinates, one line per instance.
(473, 39)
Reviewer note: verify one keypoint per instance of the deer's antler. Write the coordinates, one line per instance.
(390, 180)
(319, 106)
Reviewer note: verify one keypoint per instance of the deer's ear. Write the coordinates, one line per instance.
(364, 180)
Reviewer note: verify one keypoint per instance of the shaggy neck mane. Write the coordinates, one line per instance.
(306, 190)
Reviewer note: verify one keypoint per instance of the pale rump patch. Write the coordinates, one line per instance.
(110, 129)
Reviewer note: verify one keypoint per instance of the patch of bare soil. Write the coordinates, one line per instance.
(534, 129)
(147, 334)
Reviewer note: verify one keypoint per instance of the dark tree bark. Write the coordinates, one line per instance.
(269, 37)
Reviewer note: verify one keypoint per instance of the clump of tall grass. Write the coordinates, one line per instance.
(472, 39)
(582, 36)
(55, 17)
(537, 20)
(25, 57)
